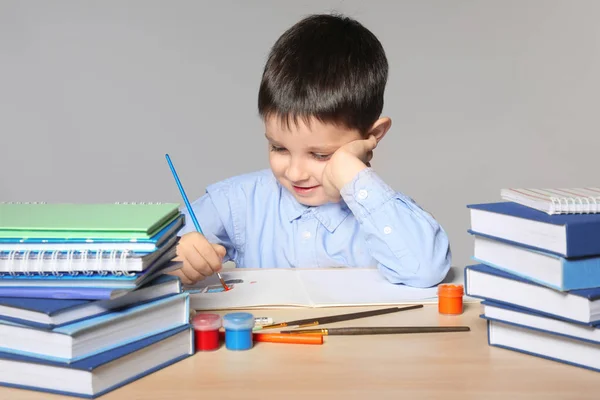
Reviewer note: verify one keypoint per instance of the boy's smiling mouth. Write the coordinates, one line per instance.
(304, 189)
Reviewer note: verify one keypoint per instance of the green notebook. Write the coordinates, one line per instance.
(109, 220)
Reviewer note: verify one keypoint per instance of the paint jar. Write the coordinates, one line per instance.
(206, 331)
(450, 299)
(238, 330)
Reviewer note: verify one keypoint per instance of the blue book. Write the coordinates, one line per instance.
(550, 346)
(485, 282)
(52, 313)
(522, 317)
(82, 339)
(545, 268)
(104, 372)
(564, 235)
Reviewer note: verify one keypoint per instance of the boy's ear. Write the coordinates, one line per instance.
(380, 128)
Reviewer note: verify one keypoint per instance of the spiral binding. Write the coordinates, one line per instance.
(44, 263)
(574, 205)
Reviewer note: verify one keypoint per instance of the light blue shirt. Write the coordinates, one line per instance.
(263, 226)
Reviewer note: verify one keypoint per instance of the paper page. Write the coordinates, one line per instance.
(358, 286)
(251, 288)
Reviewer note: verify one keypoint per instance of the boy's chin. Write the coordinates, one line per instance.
(311, 201)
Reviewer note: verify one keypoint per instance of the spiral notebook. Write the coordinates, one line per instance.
(91, 279)
(556, 201)
(82, 260)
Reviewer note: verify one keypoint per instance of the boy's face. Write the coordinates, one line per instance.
(298, 155)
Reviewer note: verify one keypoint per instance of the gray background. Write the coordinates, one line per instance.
(482, 94)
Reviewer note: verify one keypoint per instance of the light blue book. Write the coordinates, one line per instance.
(79, 340)
(542, 267)
(101, 373)
(49, 244)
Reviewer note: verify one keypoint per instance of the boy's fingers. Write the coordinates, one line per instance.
(195, 261)
(194, 272)
(212, 259)
(221, 251)
(372, 142)
(184, 279)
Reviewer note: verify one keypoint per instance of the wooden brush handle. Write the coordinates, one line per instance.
(385, 330)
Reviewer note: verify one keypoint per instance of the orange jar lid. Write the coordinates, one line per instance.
(450, 290)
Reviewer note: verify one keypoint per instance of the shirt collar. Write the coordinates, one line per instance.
(330, 215)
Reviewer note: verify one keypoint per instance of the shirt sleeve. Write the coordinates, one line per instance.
(409, 245)
(215, 215)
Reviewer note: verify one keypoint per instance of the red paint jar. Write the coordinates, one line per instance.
(206, 331)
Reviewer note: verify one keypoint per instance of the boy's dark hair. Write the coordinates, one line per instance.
(325, 66)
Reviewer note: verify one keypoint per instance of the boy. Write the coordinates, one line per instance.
(320, 204)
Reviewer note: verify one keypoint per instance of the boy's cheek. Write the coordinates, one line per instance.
(318, 170)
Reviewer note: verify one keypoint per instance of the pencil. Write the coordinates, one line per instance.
(382, 330)
(189, 208)
(341, 317)
(288, 338)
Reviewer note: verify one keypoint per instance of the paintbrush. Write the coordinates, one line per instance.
(381, 330)
(190, 210)
(341, 317)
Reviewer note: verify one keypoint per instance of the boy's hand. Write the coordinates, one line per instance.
(200, 258)
(345, 163)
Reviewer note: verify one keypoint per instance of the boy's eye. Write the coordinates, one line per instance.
(277, 149)
(321, 157)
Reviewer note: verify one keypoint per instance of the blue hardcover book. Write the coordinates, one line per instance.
(545, 268)
(565, 235)
(559, 348)
(485, 282)
(139, 245)
(94, 335)
(102, 373)
(52, 313)
(539, 321)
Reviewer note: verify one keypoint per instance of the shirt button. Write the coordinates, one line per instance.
(306, 235)
(362, 194)
(387, 230)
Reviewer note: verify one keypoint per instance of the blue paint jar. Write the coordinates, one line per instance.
(238, 330)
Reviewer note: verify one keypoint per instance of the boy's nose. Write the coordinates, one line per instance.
(296, 173)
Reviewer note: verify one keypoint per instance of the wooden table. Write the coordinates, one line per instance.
(420, 366)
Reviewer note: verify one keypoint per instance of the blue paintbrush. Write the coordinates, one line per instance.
(189, 208)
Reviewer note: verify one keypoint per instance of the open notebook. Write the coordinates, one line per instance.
(300, 287)
(556, 201)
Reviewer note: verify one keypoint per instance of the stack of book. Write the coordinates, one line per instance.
(86, 305)
(539, 272)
